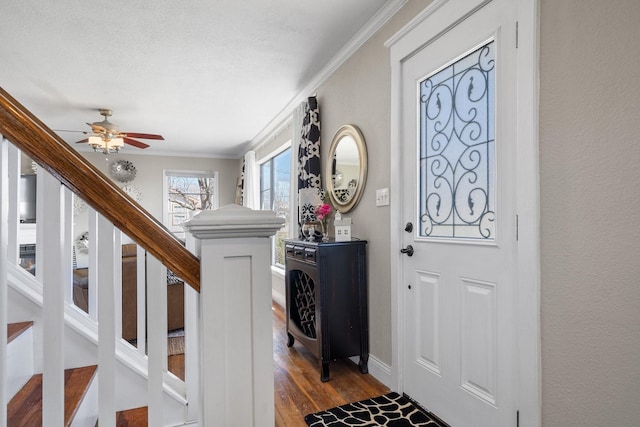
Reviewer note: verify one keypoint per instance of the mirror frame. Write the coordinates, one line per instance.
(354, 132)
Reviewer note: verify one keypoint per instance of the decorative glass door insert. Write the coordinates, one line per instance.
(456, 147)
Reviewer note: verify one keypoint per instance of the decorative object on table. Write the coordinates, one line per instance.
(322, 212)
(342, 228)
(311, 231)
(390, 409)
(123, 171)
(133, 192)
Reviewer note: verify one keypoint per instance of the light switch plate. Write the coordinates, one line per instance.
(382, 197)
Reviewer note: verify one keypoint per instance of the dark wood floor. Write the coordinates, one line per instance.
(298, 389)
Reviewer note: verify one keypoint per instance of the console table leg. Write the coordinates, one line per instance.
(290, 340)
(325, 372)
(364, 363)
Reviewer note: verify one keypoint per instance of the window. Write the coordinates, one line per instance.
(186, 193)
(457, 161)
(275, 187)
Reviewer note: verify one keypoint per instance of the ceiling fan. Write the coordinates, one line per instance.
(107, 137)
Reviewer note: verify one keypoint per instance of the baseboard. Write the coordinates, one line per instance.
(377, 369)
(380, 371)
(278, 298)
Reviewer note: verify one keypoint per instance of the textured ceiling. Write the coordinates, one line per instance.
(207, 75)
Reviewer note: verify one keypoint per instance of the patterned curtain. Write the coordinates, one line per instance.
(309, 149)
(310, 192)
(241, 201)
(251, 181)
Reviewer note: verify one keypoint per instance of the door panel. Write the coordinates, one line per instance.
(458, 146)
(478, 339)
(427, 309)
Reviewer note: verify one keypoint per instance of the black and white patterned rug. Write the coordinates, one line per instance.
(391, 410)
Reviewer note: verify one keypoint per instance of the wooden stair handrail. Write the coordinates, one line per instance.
(50, 152)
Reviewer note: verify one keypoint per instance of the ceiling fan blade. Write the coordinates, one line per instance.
(82, 141)
(135, 143)
(68, 130)
(143, 135)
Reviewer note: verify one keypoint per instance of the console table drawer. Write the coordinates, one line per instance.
(302, 253)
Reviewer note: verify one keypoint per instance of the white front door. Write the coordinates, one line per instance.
(459, 296)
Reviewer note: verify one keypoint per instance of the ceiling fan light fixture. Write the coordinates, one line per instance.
(106, 145)
(115, 143)
(96, 142)
(106, 137)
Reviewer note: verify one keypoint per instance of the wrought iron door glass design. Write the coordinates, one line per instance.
(457, 144)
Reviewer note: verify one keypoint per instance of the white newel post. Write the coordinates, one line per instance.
(236, 320)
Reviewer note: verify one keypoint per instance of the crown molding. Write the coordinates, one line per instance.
(379, 19)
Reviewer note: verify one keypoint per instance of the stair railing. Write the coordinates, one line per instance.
(230, 318)
(51, 153)
(53, 239)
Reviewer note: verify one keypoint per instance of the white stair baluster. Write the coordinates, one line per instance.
(191, 344)
(67, 244)
(92, 283)
(4, 230)
(13, 157)
(141, 289)
(157, 330)
(104, 240)
(117, 272)
(49, 268)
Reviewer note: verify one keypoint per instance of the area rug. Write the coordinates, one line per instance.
(390, 410)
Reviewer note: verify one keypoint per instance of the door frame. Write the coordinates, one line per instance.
(403, 45)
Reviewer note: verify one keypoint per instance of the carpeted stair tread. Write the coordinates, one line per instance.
(25, 409)
(15, 329)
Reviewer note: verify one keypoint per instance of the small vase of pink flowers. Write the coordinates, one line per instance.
(322, 212)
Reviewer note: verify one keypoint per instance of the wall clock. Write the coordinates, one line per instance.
(123, 171)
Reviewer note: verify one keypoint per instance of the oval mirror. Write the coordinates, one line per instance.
(346, 168)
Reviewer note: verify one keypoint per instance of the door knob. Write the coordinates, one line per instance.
(408, 228)
(408, 250)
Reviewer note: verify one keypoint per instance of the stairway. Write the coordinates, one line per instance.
(25, 407)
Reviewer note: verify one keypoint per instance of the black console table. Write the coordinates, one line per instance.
(326, 296)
